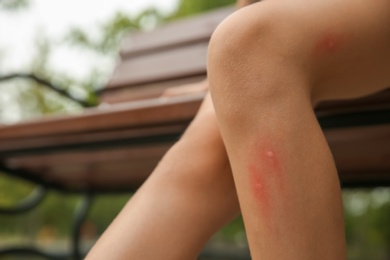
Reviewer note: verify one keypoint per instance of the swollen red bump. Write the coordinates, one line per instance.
(270, 154)
(328, 44)
(258, 186)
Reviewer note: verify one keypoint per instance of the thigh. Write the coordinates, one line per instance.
(350, 48)
(342, 45)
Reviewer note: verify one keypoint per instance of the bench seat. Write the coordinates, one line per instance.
(116, 148)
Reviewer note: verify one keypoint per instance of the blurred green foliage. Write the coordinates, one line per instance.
(12, 5)
(110, 34)
(113, 30)
(55, 211)
(367, 215)
(190, 7)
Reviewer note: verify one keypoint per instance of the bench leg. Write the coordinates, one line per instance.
(80, 216)
(27, 204)
(32, 201)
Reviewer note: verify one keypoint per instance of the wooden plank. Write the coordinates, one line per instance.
(175, 63)
(361, 150)
(134, 114)
(88, 157)
(136, 170)
(379, 100)
(54, 141)
(361, 154)
(354, 149)
(123, 174)
(176, 33)
(144, 91)
(129, 124)
(126, 178)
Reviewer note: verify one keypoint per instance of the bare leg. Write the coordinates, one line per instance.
(268, 64)
(189, 196)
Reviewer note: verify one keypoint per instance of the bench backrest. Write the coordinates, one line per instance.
(172, 55)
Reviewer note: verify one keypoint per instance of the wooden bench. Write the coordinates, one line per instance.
(115, 147)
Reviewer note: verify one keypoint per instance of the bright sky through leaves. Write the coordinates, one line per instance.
(53, 19)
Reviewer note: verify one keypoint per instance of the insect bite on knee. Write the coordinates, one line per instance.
(328, 44)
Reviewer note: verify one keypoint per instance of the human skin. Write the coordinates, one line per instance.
(283, 170)
(189, 196)
(184, 202)
(279, 59)
(242, 3)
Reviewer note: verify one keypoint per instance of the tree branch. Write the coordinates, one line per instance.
(48, 85)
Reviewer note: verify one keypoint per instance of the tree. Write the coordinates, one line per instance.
(192, 7)
(13, 4)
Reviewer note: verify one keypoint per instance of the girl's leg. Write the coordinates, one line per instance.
(189, 196)
(268, 64)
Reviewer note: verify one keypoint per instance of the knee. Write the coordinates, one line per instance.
(252, 40)
(238, 37)
(249, 51)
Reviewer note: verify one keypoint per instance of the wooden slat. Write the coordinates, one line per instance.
(88, 157)
(175, 63)
(379, 100)
(117, 178)
(84, 139)
(355, 149)
(38, 135)
(177, 33)
(110, 170)
(134, 114)
(123, 174)
(361, 154)
(361, 150)
(144, 91)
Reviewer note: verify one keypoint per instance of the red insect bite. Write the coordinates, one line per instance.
(258, 187)
(328, 44)
(265, 178)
